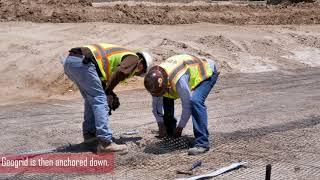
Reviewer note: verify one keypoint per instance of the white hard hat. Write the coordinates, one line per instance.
(147, 58)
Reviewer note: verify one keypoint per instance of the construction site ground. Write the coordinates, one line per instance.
(263, 110)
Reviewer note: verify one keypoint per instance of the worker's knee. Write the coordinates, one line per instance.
(98, 100)
(196, 101)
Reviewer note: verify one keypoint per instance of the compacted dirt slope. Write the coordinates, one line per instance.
(264, 108)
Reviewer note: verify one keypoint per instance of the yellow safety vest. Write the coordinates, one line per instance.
(178, 65)
(108, 57)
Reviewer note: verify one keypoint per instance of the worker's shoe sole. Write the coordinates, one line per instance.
(197, 150)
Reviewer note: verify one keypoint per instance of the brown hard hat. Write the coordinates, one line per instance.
(156, 81)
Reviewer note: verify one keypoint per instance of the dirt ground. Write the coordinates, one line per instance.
(264, 109)
(31, 67)
(271, 117)
(158, 12)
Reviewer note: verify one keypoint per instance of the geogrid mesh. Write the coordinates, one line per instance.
(292, 147)
(167, 145)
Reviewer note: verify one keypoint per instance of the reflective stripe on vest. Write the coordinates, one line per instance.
(108, 57)
(178, 65)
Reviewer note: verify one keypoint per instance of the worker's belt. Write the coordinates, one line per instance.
(76, 52)
(76, 55)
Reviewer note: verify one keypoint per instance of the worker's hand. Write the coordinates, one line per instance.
(178, 132)
(113, 102)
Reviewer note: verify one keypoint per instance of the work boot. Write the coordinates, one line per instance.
(104, 147)
(162, 130)
(90, 139)
(89, 136)
(197, 150)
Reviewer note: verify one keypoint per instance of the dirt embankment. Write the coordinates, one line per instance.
(30, 51)
(82, 11)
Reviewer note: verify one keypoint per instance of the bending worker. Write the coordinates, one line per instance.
(96, 69)
(191, 79)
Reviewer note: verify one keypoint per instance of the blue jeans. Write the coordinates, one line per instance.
(95, 101)
(199, 111)
(168, 117)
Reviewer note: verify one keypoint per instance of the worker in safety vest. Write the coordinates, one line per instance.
(191, 79)
(97, 69)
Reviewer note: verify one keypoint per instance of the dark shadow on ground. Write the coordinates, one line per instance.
(167, 145)
(91, 145)
(123, 140)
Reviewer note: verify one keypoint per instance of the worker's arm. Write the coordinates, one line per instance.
(157, 108)
(185, 96)
(86, 52)
(125, 69)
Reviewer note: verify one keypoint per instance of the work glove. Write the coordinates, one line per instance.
(178, 132)
(113, 102)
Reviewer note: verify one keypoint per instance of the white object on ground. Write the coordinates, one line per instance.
(217, 172)
(133, 132)
(62, 59)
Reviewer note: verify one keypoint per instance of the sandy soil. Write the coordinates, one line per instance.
(269, 88)
(30, 54)
(261, 118)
